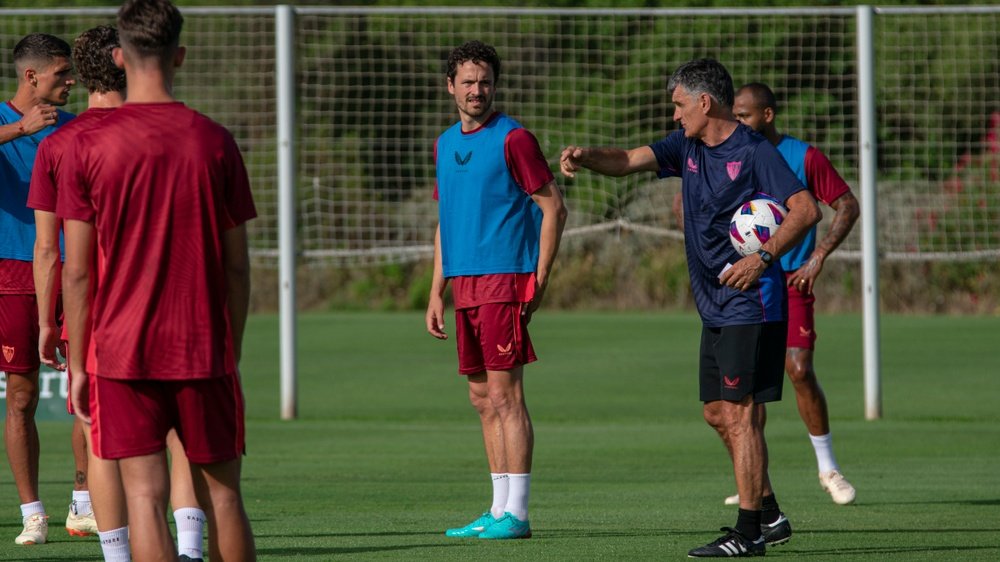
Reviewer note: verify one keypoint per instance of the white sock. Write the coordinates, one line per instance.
(190, 522)
(823, 445)
(517, 497)
(81, 502)
(114, 545)
(29, 509)
(501, 487)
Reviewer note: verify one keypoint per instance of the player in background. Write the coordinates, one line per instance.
(722, 164)
(105, 85)
(501, 217)
(756, 107)
(44, 80)
(156, 290)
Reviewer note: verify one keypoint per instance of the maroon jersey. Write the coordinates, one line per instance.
(160, 183)
(42, 194)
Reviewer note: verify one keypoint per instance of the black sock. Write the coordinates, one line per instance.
(769, 511)
(748, 524)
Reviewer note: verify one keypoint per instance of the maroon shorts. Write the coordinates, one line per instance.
(19, 334)
(801, 319)
(492, 337)
(131, 418)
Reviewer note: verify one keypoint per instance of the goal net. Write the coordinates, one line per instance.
(371, 99)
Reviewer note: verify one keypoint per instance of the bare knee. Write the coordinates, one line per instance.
(713, 416)
(482, 403)
(799, 366)
(22, 399)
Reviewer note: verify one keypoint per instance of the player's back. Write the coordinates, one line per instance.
(164, 182)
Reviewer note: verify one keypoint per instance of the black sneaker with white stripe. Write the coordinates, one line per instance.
(732, 544)
(778, 532)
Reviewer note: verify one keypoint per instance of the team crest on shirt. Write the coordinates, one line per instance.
(692, 166)
(8, 352)
(733, 169)
(463, 161)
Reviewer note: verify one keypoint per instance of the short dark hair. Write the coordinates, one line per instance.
(39, 48)
(704, 76)
(150, 28)
(94, 64)
(477, 52)
(762, 95)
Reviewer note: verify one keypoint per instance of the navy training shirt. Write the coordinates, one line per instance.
(715, 181)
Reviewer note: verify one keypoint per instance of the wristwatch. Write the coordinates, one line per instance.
(765, 257)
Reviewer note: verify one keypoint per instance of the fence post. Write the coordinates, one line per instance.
(868, 163)
(284, 37)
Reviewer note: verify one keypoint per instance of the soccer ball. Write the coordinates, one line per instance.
(754, 223)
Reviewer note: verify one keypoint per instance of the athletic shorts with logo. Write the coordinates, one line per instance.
(492, 337)
(801, 318)
(131, 418)
(19, 334)
(741, 360)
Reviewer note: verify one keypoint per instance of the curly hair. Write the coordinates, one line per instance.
(150, 28)
(95, 67)
(704, 76)
(39, 48)
(475, 51)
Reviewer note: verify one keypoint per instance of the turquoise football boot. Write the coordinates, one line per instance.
(472, 530)
(507, 527)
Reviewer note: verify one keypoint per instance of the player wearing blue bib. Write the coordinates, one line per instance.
(483, 231)
(721, 165)
(756, 107)
(45, 77)
(501, 217)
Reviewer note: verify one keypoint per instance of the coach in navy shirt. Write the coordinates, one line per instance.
(722, 164)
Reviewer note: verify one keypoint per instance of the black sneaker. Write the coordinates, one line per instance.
(778, 532)
(186, 558)
(733, 543)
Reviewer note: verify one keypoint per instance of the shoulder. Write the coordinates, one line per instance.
(454, 129)
(673, 140)
(789, 140)
(521, 136)
(205, 123)
(508, 121)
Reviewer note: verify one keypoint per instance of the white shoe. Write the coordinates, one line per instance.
(732, 500)
(837, 486)
(36, 529)
(82, 525)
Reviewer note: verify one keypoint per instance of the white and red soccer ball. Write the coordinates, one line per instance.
(754, 223)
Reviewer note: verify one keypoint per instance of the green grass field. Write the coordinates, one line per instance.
(387, 451)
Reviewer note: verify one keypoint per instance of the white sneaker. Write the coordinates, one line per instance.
(82, 525)
(36, 530)
(732, 500)
(837, 486)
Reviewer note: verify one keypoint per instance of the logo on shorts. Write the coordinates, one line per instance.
(505, 350)
(8, 352)
(804, 332)
(730, 383)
